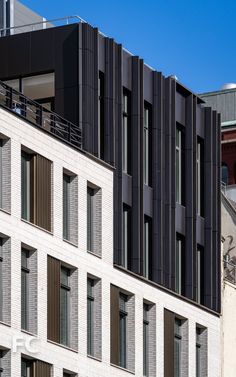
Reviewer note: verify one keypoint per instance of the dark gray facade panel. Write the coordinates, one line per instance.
(76, 53)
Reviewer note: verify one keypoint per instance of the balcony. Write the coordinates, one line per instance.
(229, 271)
(40, 116)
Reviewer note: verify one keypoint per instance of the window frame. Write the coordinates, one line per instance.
(177, 342)
(66, 205)
(90, 316)
(180, 264)
(146, 322)
(180, 164)
(65, 288)
(126, 235)
(126, 132)
(123, 314)
(147, 144)
(25, 271)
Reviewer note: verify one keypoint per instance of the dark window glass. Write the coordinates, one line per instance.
(225, 174)
(101, 114)
(90, 317)
(180, 165)
(1, 279)
(126, 235)
(122, 330)
(126, 131)
(26, 368)
(90, 217)
(64, 306)
(200, 275)
(147, 144)
(177, 347)
(147, 247)
(145, 339)
(25, 185)
(66, 205)
(200, 177)
(198, 352)
(25, 271)
(179, 264)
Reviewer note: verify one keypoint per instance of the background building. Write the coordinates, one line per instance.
(113, 222)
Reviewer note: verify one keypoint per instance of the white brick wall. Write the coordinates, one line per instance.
(19, 231)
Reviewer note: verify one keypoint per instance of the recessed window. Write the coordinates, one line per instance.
(36, 175)
(177, 347)
(5, 279)
(200, 275)
(201, 351)
(94, 317)
(94, 220)
(70, 207)
(126, 236)
(62, 304)
(179, 264)
(200, 177)
(145, 339)
(40, 88)
(122, 328)
(101, 105)
(5, 174)
(147, 144)
(180, 166)
(147, 247)
(126, 131)
(35, 368)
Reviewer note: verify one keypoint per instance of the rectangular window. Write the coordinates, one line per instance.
(179, 264)
(35, 368)
(147, 247)
(126, 235)
(62, 303)
(64, 306)
(200, 275)
(25, 271)
(70, 207)
(198, 352)
(101, 115)
(177, 347)
(1, 279)
(126, 130)
(201, 351)
(200, 177)
(180, 145)
(66, 205)
(5, 279)
(94, 220)
(147, 144)
(5, 174)
(145, 339)
(1, 364)
(36, 189)
(90, 317)
(122, 329)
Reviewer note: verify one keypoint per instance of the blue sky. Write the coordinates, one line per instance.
(192, 39)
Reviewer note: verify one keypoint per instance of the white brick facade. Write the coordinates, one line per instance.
(88, 170)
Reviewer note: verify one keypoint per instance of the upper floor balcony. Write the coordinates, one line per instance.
(40, 115)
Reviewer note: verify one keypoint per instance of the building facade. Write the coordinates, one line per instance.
(110, 220)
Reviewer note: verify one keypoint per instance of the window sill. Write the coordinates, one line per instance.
(5, 211)
(62, 346)
(38, 227)
(70, 243)
(94, 254)
(28, 333)
(124, 369)
(5, 324)
(94, 358)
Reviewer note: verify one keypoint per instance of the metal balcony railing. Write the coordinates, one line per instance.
(44, 24)
(230, 271)
(39, 116)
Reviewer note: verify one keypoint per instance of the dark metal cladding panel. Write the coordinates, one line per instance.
(168, 191)
(189, 199)
(109, 123)
(194, 207)
(158, 147)
(208, 208)
(90, 88)
(172, 184)
(118, 208)
(218, 214)
(142, 193)
(214, 209)
(135, 163)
